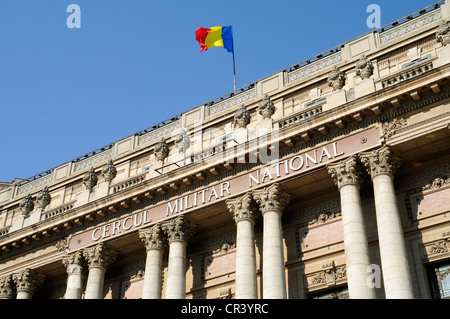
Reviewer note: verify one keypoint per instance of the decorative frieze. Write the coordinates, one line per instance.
(410, 26)
(94, 159)
(437, 183)
(329, 276)
(315, 67)
(232, 101)
(437, 249)
(34, 184)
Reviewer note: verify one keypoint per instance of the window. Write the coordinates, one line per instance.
(341, 293)
(439, 275)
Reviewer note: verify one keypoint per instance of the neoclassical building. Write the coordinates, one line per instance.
(328, 179)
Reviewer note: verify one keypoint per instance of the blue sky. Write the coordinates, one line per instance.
(133, 63)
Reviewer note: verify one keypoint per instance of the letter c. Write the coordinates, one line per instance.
(93, 234)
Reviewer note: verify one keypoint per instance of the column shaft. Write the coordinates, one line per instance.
(355, 244)
(245, 260)
(243, 210)
(274, 281)
(74, 282)
(272, 200)
(178, 231)
(381, 165)
(99, 259)
(153, 275)
(394, 261)
(95, 283)
(176, 277)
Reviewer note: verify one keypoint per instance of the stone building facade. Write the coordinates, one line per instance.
(328, 179)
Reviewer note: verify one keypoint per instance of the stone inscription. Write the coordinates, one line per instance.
(277, 171)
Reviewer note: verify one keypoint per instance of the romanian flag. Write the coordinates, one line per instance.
(215, 37)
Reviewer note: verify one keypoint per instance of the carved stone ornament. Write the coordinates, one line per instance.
(26, 205)
(346, 172)
(323, 218)
(182, 141)
(178, 229)
(443, 34)
(364, 68)
(28, 280)
(242, 208)
(380, 161)
(43, 199)
(329, 274)
(242, 117)
(224, 248)
(109, 172)
(266, 108)
(99, 256)
(437, 183)
(90, 179)
(152, 237)
(272, 198)
(162, 150)
(390, 128)
(336, 79)
(6, 287)
(75, 258)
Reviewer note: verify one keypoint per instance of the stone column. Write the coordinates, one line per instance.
(381, 164)
(6, 287)
(99, 259)
(153, 240)
(244, 211)
(272, 200)
(178, 231)
(74, 268)
(26, 283)
(347, 175)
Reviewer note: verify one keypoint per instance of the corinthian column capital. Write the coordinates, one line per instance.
(75, 258)
(28, 280)
(152, 237)
(242, 208)
(346, 172)
(271, 198)
(380, 161)
(6, 287)
(178, 229)
(99, 256)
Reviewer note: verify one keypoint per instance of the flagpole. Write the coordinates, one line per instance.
(234, 62)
